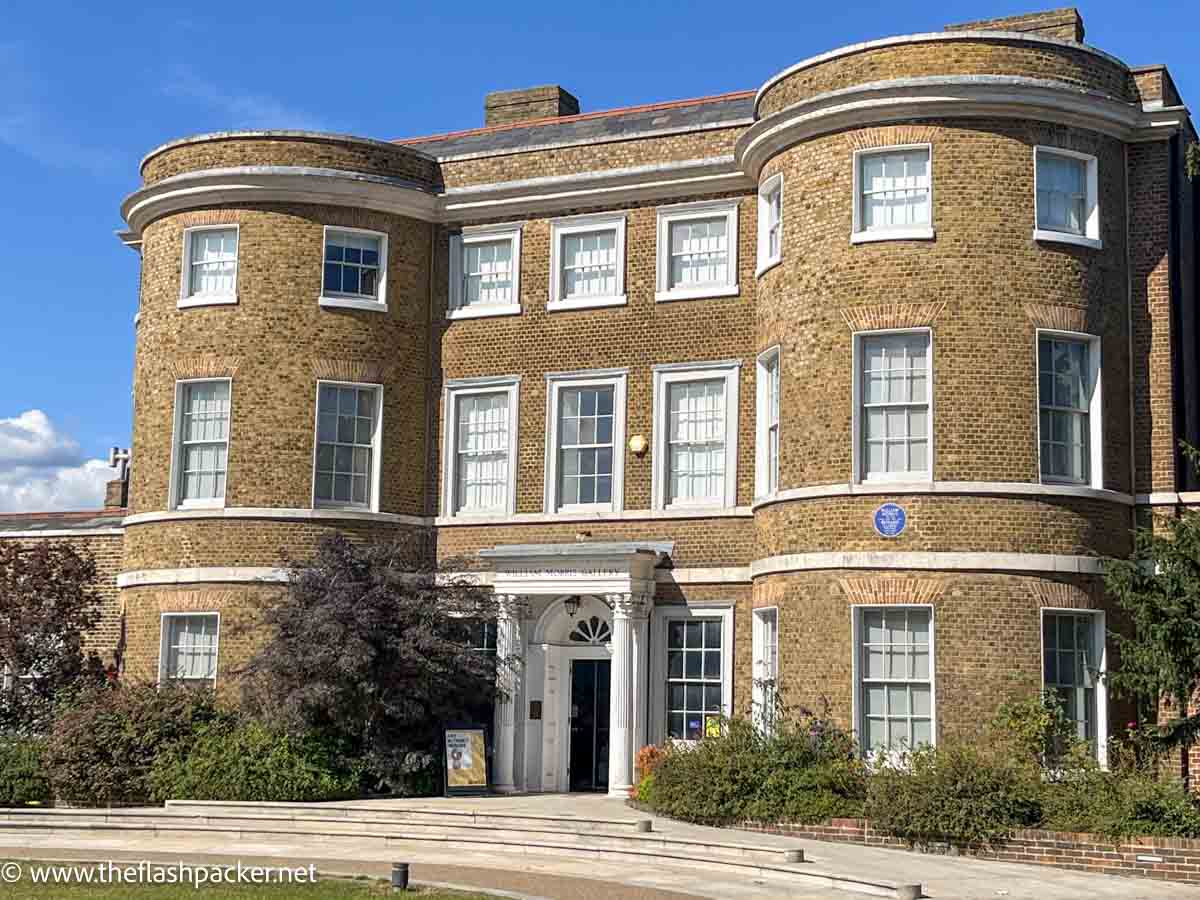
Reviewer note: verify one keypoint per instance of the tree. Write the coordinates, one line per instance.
(47, 604)
(1159, 588)
(373, 647)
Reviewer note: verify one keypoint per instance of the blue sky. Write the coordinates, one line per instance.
(86, 89)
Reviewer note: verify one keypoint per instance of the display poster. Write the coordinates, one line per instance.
(466, 760)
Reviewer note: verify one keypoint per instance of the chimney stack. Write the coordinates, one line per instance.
(549, 101)
(1065, 24)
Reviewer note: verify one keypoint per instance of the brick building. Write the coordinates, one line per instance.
(839, 388)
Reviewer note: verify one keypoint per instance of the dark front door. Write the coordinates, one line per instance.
(589, 724)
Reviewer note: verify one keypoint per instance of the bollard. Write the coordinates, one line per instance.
(909, 892)
(793, 856)
(645, 825)
(399, 877)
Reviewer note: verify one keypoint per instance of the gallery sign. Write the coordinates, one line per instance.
(466, 760)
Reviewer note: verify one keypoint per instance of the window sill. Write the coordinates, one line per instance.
(483, 312)
(701, 506)
(1065, 237)
(352, 303)
(765, 267)
(584, 303)
(476, 515)
(892, 234)
(207, 300)
(896, 478)
(728, 290)
(585, 508)
(345, 507)
(201, 504)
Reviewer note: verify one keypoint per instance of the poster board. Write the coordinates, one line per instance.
(465, 748)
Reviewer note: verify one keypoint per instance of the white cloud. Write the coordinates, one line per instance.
(238, 109)
(43, 470)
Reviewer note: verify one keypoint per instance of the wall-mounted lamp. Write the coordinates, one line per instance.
(571, 604)
(638, 445)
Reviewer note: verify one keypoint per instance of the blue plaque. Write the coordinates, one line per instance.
(890, 520)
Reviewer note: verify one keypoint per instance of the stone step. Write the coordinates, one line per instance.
(311, 820)
(641, 849)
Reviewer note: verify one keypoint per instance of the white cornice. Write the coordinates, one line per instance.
(203, 575)
(945, 96)
(276, 184)
(955, 488)
(1014, 37)
(983, 562)
(282, 513)
(625, 515)
(1168, 498)
(299, 184)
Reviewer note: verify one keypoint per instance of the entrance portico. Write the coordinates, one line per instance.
(562, 604)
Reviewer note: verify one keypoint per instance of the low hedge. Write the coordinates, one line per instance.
(808, 773)
(252, 762)
(23, 777)
(104, 746)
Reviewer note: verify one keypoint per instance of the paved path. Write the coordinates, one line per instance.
(562, 876)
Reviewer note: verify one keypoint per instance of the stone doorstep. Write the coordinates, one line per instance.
(779, 871)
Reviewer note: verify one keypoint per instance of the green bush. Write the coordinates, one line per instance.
(23, 779)
(251, 762)
(103, 747)
(1129, 800)
(807, 771)
(956, 794)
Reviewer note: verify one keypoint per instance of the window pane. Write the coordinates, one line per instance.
(345, 444)
(213, 262)
(487, 272)
(1061, 193)
(482, 452)
(191, 647)
(895, 404)
(203, 440)
(699, 253)
(1064, 397)
(895, 189)
(696, 441)
(352, 264)
(895, 676)
(589, 264)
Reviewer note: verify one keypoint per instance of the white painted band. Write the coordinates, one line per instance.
(202, 575)
(271, 512)
(957, 488)
(994, 562)
(1167, 498)
(64, 533)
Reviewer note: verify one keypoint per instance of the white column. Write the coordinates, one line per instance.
(626, 609)
(640, 680)
(509, 657)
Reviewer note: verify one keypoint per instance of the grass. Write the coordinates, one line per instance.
(325, 889)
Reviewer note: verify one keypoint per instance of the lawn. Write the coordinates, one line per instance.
(326, 889)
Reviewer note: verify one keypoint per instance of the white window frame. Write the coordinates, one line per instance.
(561, 228)
(174, 494)
(483, 235)
(660, 617)
(858, 457)
(1099, 635)
(1095, 407)
(454, 391)
(1091, 231)
(555, 382)
(685, 212)
(335, 301)
(164, 637)
(376, 445)
(762, 404)
(859, 234)
(856, 635)
(765, 190)
(186, 297)
(763, 719)
(679, 373)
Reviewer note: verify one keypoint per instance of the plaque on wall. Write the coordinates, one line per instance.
(890, 520)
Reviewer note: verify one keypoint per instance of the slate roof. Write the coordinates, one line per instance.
(61, 521)
(609, 125)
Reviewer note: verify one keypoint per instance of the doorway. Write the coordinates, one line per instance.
(589, 724)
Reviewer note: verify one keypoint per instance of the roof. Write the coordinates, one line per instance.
(722, 110)
(32, 524)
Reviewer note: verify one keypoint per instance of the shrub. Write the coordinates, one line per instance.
(807, 771)
(958, 793)
(23, 778)
(1128, 800)
(251, 762)
(104, 745)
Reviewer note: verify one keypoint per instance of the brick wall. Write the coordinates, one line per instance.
(1164, 859)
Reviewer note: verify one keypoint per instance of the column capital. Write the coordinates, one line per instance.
(512, 606)
(628, 606)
